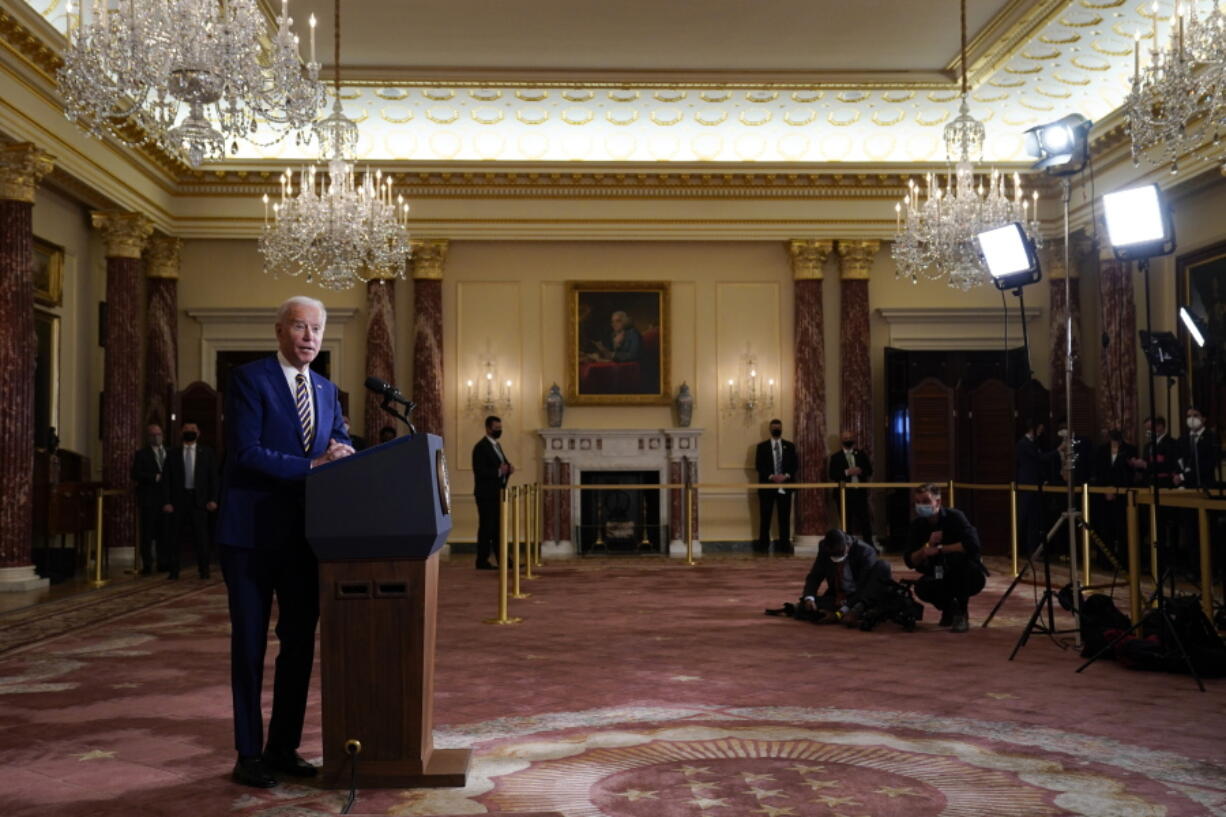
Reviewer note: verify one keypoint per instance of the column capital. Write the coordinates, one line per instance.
(429, 256)
(856, 259)
(123, 234)
(22, 167)
(808, 256)
(162, 257)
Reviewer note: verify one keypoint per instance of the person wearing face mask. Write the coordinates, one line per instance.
(1112, 469)
(192, 489)
(943, 546)
(1198, 454)
(491, 470)
(852, 465)
(776, 462)
(856, 578)
(1033, 466)
(148, 466)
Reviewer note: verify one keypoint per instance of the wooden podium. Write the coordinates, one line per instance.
(376, 521)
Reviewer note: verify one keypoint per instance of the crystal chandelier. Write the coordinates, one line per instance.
(1183, 82)
(936, 223)
(131, 68)
(337, 228)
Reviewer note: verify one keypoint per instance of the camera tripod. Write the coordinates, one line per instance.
(1047, 600)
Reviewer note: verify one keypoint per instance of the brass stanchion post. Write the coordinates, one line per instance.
(1134, 559)
(842, 506)
(950, 493)
(517, 559)
(1013, 524)
(98, 581)
(1153, 542)
(540, 526)
(689, 525)
(526, 499)
(503, 513)
(1085, 534)
(1206, 563)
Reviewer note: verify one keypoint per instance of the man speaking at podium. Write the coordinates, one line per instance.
(282, 420)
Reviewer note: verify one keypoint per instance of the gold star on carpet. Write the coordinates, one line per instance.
(831, 802)
(752, 778)
(632, 795)
(1002, 696)
(700, 786)
(692, 770)
(774, 811)
(821, 784)
(710, 802)
(96, 754)
(897, 791)
(762, 794)
(686, 678)
(799, 769)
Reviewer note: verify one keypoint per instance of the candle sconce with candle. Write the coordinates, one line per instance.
(488, 391)
(752, 391)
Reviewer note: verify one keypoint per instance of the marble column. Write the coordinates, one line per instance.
(1059, 313)
(1117, 362)
(380, 352)
(809, 402)
(124, 236)
(161, 327)
(855, 368)
(22, 166)
(429, 258)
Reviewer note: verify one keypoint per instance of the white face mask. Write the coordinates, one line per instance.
(1062, 433)
(1195, 423)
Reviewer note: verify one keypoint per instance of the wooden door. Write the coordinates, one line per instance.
(931, 407)
(992, 454)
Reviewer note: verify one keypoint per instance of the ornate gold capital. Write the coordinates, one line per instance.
(429, 257)
(162, 256)
(808, 256)
(856, 259)
(123, 234)
(22, 167)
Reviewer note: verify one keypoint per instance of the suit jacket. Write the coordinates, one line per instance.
(206, 481)
(1033, 465)
(1120, 474)
(1162, 461)
(861, 555)
(839, 464)
(149, 479)
(487, 482)
(1198, 464)
(263, 487)
(1082, 468)
(764, 461)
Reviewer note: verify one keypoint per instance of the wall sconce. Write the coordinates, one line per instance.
(488, 392)
(752, 392)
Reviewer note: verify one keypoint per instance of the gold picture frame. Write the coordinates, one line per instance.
(48, 273)
(1201, 288)
(618, 343)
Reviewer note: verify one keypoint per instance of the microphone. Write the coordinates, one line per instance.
(389, 392)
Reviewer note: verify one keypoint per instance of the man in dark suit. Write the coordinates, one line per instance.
(1112, 468)
(1158, 465)
(852, 465)
(282, 420)
(192, 491)
(1199, 453)
(776, 463)
(1033, 467)
(148, 465)
(855, 577)
(491, 470)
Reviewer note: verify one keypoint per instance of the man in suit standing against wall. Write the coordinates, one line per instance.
(850, 464)
(148, 465)
(491, 470)
(192, 488)
(776, 463)
(282, 420)
(1033, 467)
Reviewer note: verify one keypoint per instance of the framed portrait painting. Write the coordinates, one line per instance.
(1201, 289)
(48, 273)
(618, 343)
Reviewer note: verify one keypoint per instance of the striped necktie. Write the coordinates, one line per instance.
(303, 399)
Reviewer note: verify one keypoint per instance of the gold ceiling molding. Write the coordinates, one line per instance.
(437, 94)
(532, 94)
(485, 94)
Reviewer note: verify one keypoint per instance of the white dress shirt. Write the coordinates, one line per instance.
(189, 466)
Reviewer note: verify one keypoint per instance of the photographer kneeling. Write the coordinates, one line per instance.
(943, 545)
(854, 575)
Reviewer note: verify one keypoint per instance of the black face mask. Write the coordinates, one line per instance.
(1115, 436)
(190, 436)
(496, 434)
(776, 433)
(849, 444)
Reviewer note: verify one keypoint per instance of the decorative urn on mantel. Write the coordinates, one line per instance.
(685, 405)
(555, 405)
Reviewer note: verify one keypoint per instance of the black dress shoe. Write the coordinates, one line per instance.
(290, 763)
(250, 771)
(947, 617)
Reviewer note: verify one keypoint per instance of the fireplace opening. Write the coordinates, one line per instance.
(621, 520)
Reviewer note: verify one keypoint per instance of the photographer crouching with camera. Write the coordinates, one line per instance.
(943, 546)
(854, 575)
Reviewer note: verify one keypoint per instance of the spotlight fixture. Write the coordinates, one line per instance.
(1009, 256)
(1061, 147)
(1138, 223)
(1196, 328)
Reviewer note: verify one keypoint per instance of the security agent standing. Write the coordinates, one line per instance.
(491, 470)
(853, 465)
(148, 465)
(776, 462)
(192, 487)
(943, 545)
(855, 577)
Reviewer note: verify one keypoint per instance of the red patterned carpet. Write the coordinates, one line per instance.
(638, 689)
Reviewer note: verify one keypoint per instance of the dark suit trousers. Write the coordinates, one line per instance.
(154, 527)
(253, 576)
(960, 581)
(858, 521)
(768, 500)
(1029, 521)
(196, 520)
(489, 520)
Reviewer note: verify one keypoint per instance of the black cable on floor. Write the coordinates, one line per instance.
(353, 748)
